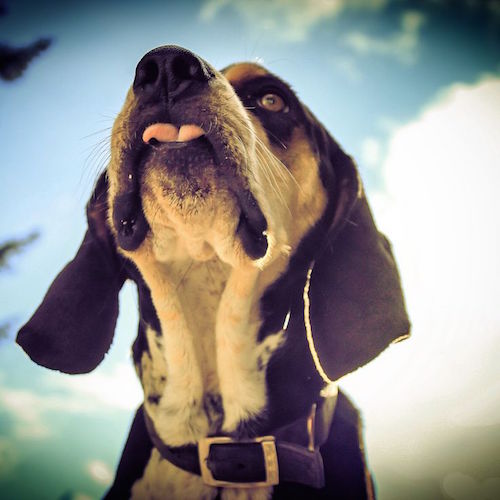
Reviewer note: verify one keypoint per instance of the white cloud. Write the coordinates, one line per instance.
(28, 409)
(348, 67)
(482, 408)
(371, 152)
(402, 45)
(81, 394)
(100, 472)
(288, 20)
(441, 210)
(119, 388)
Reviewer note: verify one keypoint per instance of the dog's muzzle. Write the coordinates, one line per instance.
(165, 79)
(162, 74)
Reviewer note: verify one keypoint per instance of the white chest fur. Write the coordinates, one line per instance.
(206, 364)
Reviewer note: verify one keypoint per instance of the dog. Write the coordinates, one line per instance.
(262, 279)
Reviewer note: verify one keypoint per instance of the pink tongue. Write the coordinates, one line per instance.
(166, 132)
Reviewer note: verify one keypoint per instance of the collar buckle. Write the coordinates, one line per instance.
(269, 457)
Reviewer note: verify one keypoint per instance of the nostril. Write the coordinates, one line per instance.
(186, 67)
(183, 70)
(147, 73)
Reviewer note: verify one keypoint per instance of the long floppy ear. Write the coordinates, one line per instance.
(353, 302)
(73, 327)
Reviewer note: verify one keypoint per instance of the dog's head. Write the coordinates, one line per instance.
(232, 166)
(224, 164)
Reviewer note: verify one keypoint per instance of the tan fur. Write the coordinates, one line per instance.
(204, 287)
(244, 71)
(310, 195)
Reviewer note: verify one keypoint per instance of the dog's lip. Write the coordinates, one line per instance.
(252, 225)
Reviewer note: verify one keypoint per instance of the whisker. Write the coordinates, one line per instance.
(269, 172)
(271, 163)
(277, 139)
(267, 167)
(96, 132)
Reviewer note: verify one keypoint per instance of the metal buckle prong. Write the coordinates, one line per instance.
(270, 459)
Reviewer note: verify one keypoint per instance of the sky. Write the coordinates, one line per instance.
(410, 89)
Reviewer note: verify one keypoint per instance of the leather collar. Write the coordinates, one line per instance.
(243, 463)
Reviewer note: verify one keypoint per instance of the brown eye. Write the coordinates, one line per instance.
(273, 102)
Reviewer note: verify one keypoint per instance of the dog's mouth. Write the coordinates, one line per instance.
(184, 154)
(193, 163)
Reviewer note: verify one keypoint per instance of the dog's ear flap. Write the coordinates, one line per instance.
(354, 306)
(73, 327)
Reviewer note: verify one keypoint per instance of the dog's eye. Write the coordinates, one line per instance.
(273, 102)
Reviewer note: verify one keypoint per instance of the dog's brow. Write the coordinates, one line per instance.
(269, 80)
(241, 72)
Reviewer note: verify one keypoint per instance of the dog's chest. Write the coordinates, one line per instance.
(199, 287)
(204, 370)
(205, 378)
(200, 291)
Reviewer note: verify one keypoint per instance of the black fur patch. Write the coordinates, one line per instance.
(279, 126)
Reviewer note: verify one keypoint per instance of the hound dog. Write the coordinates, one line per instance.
(261, 280)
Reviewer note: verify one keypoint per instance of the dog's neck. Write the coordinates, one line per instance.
(204, 372)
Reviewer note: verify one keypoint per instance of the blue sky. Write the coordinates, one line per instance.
(410, 89)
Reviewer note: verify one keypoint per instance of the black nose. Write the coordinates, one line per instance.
(169, 71)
